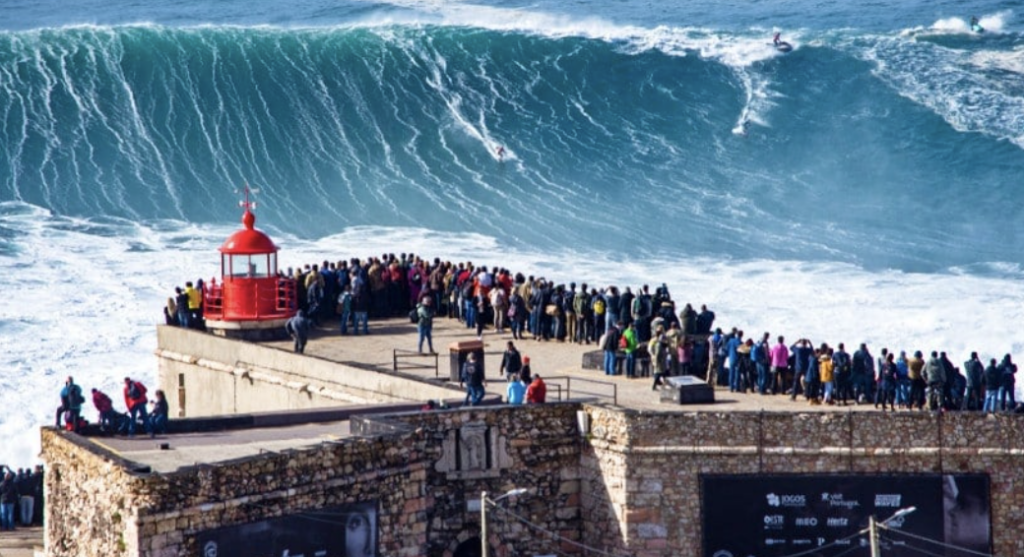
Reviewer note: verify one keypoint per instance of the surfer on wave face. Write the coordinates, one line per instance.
(775, 39)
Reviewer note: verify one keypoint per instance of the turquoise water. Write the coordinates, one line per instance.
(895, 146)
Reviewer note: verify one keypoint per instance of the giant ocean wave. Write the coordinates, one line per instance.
(859, 147)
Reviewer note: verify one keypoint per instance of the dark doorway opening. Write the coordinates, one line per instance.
(469, 548)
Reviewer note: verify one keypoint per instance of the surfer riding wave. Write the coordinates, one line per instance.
(780, 44)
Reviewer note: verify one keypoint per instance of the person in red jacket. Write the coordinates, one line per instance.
(105, 408)
(135, 400)
(537, 391)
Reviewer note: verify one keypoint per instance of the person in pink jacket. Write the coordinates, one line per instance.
(779, 357)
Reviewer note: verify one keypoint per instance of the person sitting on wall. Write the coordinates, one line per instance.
(537, 392)
(158, 417)
(516, 390)
(109, 418)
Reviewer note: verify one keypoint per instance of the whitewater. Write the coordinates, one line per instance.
(863, 188)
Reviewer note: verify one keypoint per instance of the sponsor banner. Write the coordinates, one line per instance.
(343, 531)
(765, 516)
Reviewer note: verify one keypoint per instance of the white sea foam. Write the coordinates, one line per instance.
(946, 81)
(85, 298)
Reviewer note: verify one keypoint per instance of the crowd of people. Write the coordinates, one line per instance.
(831, 375)
(21, 497)
(640, 332)
(111, 421)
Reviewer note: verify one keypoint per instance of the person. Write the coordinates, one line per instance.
(525, 374)
(657, 347)
(71, 404)
(158, 417)
(181, 304)
(732, 350)
(170, 313)
(803, 355)
(610, 345)
(716, 351)
(915, 373)
(975, 372)
(135, 401)
(862, 374)
(195, 300)
(105, 408)
(993, 380)
(777, 38)
(1007, 398)
(500, 152)
(8, 495)
(511, 362)
(298, 328)
(935, 378)
(344, 308)
(425, 322)
(37, 494)
(776, 377)
(361, 302)
(537, 392)
(827, 371)
(887, 378)
(472, 377)
(516, 391)
(630, 341)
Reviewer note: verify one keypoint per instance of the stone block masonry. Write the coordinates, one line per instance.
(630, 484)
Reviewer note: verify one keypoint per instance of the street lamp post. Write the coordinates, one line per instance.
(873, 526)
(484, 548)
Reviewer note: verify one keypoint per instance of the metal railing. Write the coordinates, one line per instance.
(578, 386)
(406, 359)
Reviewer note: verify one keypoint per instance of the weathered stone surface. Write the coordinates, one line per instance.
(630, 486)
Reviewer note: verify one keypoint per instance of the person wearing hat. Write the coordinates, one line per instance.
(524, 373)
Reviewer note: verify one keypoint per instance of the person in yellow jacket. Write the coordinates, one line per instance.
(195, 302)
(827, 371)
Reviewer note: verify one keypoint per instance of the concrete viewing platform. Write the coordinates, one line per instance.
(393, 342)
(558, 363)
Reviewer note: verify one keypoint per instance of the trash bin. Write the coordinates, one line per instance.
(459, 351)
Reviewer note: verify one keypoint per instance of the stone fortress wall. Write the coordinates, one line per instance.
(627, 482)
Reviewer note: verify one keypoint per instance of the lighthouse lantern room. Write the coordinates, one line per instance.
(251, 300)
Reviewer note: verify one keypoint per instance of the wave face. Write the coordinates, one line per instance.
(888, 150)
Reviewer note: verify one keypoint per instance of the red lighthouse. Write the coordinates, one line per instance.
(251, 301)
